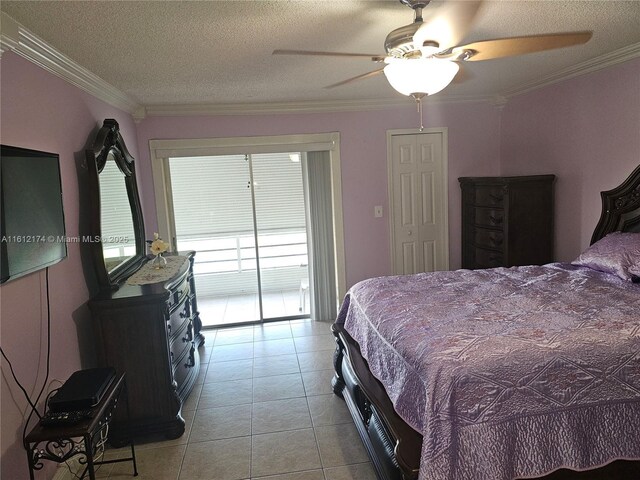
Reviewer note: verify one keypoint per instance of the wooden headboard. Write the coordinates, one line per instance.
(620, 208)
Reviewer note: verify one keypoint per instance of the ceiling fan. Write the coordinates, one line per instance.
(422, 58)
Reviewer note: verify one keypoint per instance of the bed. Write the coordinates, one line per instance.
(535, 373)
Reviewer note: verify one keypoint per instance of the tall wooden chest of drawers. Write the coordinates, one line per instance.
(507, 221)
(151, 332)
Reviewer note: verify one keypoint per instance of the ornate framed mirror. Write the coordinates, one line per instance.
(117, 242)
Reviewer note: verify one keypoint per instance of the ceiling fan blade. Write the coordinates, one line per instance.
(375, 58)
(359, 77)
(506, 47)
(449, 24)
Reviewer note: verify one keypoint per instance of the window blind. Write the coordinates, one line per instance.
(212, 195)
(279, 193)
(115, 216)
(213, 215)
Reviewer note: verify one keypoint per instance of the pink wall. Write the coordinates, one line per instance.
(473, 150)
(586, 131)
(42, 112)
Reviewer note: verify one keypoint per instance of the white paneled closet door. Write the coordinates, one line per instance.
(418, 193)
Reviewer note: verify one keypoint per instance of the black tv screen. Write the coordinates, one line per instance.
(32, 232)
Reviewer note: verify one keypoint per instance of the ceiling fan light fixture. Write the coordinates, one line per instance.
(412, 76)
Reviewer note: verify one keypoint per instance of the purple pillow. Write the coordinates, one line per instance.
(618, 253)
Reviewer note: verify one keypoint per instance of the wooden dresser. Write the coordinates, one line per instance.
(151, 332)
(507, 221)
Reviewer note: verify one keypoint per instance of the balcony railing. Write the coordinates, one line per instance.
(236, 252)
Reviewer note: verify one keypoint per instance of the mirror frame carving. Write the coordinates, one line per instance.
(109, 141)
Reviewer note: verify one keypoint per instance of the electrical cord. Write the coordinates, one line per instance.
(46, 400)
(15, 379)
(46, 377)
(32, 404)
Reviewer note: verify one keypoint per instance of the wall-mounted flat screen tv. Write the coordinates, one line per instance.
(32, 232)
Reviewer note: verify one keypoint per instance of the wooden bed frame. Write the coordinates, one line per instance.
(393, 446)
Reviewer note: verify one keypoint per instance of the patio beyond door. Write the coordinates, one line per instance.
(244, 215)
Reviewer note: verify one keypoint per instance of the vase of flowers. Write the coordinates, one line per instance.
(158, 247)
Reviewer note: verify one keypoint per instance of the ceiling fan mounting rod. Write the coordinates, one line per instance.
(417, 6)
(418, 15)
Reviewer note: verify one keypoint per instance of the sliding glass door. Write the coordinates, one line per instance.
(244, 216)
(281, 234)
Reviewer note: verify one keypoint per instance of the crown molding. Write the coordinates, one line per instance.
(15, 38)
(8, 33)
(317, 106)
(603, 61)
(272, 108)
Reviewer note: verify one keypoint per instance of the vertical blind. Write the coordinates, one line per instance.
(322, 271)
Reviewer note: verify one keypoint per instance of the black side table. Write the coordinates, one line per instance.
(61, 443)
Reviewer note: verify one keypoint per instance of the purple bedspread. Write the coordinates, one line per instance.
(507, 373)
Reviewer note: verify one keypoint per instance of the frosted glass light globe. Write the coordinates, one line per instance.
(427, 76)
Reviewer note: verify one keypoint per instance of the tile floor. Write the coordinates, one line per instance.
(262, 409)
(220, 311)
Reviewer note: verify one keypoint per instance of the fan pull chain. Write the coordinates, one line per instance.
(418, 98)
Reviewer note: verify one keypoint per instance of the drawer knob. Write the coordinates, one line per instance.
(189, 335)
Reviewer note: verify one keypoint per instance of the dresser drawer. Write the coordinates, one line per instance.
(180, 341)
(490, 196)
(178, 294)
(488, 258)
(491, 217)
(488, 238)
(183, 366)
(178, 318)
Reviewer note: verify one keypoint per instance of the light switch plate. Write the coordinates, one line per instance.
(377, 211)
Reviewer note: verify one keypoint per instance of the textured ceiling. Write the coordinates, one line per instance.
(219, 52)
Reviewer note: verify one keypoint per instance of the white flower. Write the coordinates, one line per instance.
(158, 246)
